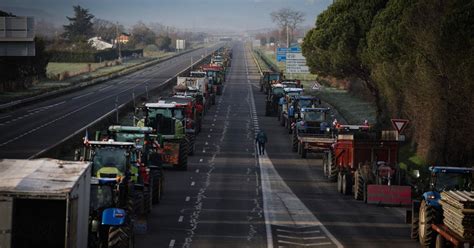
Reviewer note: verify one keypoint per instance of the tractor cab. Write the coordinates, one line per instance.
(272, 100)
(112, 159)
(445, 178)
(216, 75)
(166, 119)
(268, 79)
(312, 120)
(138, 135)
(307, 102)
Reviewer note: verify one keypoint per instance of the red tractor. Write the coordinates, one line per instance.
(367, 166)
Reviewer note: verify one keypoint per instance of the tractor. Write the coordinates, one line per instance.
(285, 101)
(216, 75)
(428, 217)
(168, 121)
(117, 196)
(110, 224)
(311, 132)
(149, 157)
(268, 79)
(272, 99)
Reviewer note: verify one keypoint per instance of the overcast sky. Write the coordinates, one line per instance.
(216, 14)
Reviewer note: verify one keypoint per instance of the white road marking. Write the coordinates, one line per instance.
(208, 135)
(304, 245)
(171, 243)
(197, 170)
(210, 130)
(298, 237)
(200, 160)
(81, 96)
(187, 198)
(181, 218)
(105, 88)
(193, 183)
(304, 232)
(3, 117)
(213, 124)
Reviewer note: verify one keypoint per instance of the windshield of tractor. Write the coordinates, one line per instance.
(304, 103)
(278, 91)
(211, 73)
(109, 157)
(314, 116)
(296, 93)
(166, 112)
(453, 181)
(275, 77)
(290, 85)
(102, 196)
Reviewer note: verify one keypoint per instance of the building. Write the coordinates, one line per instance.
(123, 38)
(99, 44)
(17, 35)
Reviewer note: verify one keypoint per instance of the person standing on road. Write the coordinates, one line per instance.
(261, 139)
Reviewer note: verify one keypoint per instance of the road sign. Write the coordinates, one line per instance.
(296, 63)
(400, 124)
(316, 86)
(281, 54)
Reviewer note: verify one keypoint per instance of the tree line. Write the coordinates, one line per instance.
(417, 59)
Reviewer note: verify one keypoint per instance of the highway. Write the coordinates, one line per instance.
(29, 130)
(232, 197)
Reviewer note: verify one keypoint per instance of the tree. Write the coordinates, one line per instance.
(80, 26)
(107, 30)
(141, 36)
(163, 42)
(288, 20)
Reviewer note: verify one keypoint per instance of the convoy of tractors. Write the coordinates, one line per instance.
(101, 199)
(119, 174)
(364, 163)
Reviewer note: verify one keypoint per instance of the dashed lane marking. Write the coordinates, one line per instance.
(171, 243)
(181, 218)
(187, 199)
(193, 183)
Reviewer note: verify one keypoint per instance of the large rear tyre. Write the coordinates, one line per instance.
(426, 217)
(157, 187)
(191, 142)
(183, 156)
(294, 142)
(332, 168)
(358, 186)
(346, 183)
(121, 237)
(325, 165)
(339, 182)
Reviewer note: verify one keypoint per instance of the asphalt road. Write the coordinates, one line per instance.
(28, 130)
(231, 197)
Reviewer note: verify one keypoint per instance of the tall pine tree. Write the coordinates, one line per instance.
(80, 26)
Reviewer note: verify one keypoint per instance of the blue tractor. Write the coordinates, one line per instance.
(110, 224)
(427, 214)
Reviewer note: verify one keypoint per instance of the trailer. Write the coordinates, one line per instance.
(367, 166)
(44, 202)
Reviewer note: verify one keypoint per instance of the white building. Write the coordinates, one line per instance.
(99, 44)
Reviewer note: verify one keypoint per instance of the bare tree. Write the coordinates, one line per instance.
(288, 20)
(107, 30)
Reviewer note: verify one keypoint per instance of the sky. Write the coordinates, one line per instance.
(231, 15)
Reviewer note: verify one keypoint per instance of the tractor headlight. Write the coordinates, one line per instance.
(95, 225)
(431, 197)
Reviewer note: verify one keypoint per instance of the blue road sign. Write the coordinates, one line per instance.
(281, 54)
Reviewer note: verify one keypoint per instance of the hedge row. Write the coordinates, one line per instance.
(90, 57)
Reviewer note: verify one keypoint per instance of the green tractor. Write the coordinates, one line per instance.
(168, 121)
(149, 157)
(116, 196)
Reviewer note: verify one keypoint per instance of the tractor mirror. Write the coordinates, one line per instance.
(415, 173)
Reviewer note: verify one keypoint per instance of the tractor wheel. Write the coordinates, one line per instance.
(440, 241)
(148, 197)
(325, 165)
(414, 225)
(282, 121)
(121, 236)
(339, 182)
(346, 183)
(183, 156)
(294, 142)
(358, 186)
(191, 142)
(426, 217)
(332, 168)
(267, 109)
(138, 202)
(304, 151)
(157, 182)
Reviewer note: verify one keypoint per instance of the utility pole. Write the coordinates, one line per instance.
(118, 42)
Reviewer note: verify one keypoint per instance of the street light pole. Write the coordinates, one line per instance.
(118, 42)
(287, 37)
